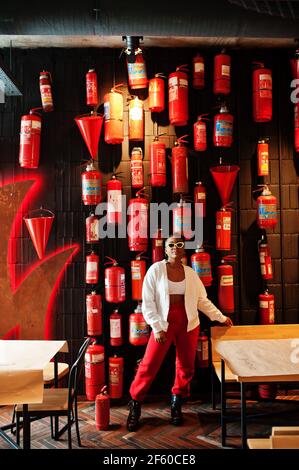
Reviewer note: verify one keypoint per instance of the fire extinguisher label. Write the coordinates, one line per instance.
(94, 230)
(267, 211)
(227, 280)
(183, 82)
(115, 328)
(136, 113)
(136, 274)
(202, 269)
(200, 196)
(199, 67)
(225, 70)
(173, 81)
(46, 94)
(173, 93)
(271, 311)
(226, 223)
(265, 81)
(263, 304)
(136, 70)
(224, 128)
(114, 200)
(90, 187)
(91, 268)
(114, 374)
(107, 110)
(93, 358)
(138, 329)
(159, 243)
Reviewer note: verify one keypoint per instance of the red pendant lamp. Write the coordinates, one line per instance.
(39, 223)
(90, 127)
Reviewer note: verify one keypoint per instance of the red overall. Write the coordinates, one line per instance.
(155, 352)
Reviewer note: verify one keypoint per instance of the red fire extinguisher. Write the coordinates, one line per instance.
(114, 116)
(262, 93)
(200, 195)
(136, 70)
(91, 186)
(200, 133)
(116, 373)
(92, 268)
(223, 228)
(156, 93)
(137, 180)
(138, 328)
(92, 229)
(138, 270)
(115, 282)
(94, 314)
(295, 65)
(179, 165)
(136, 119)
(114, 201)
(178, 96)
(203, 350)
(102, 410)
(266, 308)
(296, 127)
(116, 333)
(226, 285)
(91, 88)
(266, 209)
(30, 139)
(157, 163)
(263, 157)
(94, 370)
(265, 258)
(223, 128)
(157, 246)
(182, 219)
(45, 81)
(198, 72)
(201, 263)
(222, 65)
(138, 222)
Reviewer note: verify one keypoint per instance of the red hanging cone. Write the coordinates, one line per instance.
(90, 128)
(224, 177)
(39, 227)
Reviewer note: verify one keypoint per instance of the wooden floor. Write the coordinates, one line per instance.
(200, 430)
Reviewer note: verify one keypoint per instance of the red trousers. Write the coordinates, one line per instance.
(155, 352)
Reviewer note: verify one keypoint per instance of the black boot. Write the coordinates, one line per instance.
(176, 410)
(134, 415)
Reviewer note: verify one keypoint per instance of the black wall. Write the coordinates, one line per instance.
(63, 152)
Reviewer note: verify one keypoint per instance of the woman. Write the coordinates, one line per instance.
(172, 294)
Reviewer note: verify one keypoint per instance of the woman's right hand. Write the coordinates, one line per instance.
(160, 337)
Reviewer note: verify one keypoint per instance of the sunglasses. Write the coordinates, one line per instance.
(177, 245)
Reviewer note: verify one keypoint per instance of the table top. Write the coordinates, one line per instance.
(262, 360)
(21, 369)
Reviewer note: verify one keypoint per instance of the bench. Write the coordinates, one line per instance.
(282, 437)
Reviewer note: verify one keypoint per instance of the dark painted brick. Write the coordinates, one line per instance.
(290, 221)
(291, 291)
(288, 173)
(291, 267)
(290, 246)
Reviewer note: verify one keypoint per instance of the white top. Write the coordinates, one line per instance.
(176, 287)
(155, 298)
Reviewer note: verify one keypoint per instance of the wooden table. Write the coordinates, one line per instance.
(256, 361)
(21, 376)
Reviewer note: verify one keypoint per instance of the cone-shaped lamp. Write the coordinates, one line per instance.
(90, 128)
(39, 224)
(224, 177)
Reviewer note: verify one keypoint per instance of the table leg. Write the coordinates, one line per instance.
(223, 404)
(26, 428)
(56, 422)
(243, 415)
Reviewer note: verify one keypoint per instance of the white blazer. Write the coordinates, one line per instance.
(155, 298)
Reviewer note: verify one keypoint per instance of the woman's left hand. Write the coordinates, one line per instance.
(227, 322)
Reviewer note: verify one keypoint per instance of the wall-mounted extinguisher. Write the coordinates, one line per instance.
(202, 350)
(262, 93)
(178, 96)
(201, 263)
(136, 69)
(138, 271)
(45, 81)
(200, 195)
(265, 258)
(138, 328)
(114, 116)
(295, 65)
(115, 282)
(157, 163)
(102, 410)
(92, 268)
(223, 228)
(137, 178)
(94, 370)
(94, 314)
(296, 127)
(198, 76)
(263, 157)
(116, 333)
(91, 186)
(157, 246)
(226, 285)
(223, 128)
(200, 133)
(116, 373)
(179, 166)
(222, 65)
(114, 201)
(136, 119)
(182, 219)
(156, 93)
(138, 222)
(92, 95)
(266, 209)
(92, 228)
(30, 139)
(266, 308)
